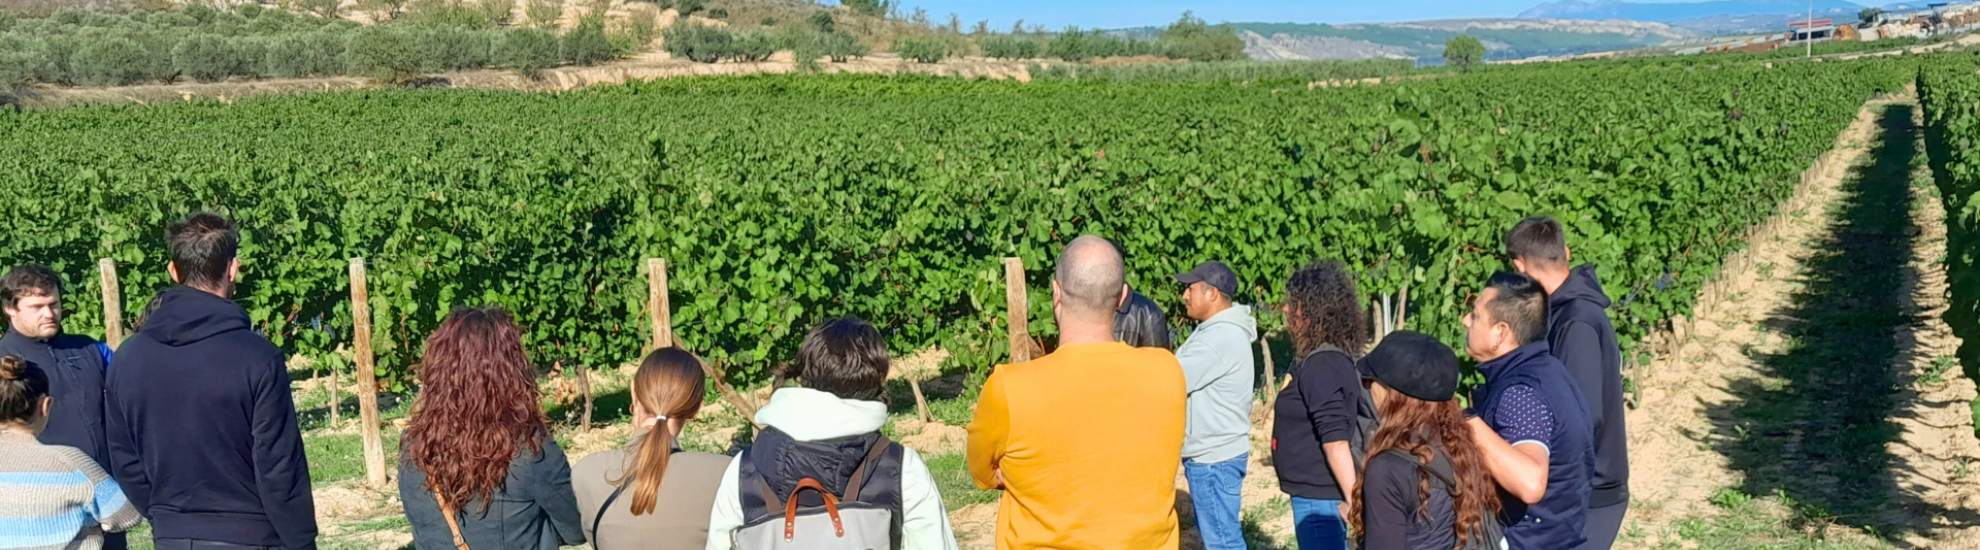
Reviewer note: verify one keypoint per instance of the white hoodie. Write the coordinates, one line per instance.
(811, 415)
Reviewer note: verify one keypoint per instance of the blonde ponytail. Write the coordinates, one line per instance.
(670, 384)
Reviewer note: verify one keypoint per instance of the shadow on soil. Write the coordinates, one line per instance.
(1814, 428)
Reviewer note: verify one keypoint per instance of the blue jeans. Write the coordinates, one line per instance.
(1216, 490)
(1317, 524)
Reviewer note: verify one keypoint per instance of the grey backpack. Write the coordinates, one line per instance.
(842, 523)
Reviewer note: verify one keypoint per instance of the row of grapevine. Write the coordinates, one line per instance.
(1949, 93)
(781, 200)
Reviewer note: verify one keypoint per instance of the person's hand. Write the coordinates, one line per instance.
(999, 473)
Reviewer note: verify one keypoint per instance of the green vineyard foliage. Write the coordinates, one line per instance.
(1949, 93)
(781, 200)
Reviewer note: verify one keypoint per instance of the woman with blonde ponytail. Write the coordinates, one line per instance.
(652, 495)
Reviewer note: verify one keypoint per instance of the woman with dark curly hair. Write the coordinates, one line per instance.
(1316, 414)
(477, 466)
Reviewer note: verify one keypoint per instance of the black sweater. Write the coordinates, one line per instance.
(1317, 408)
(202, 430)
(1583, 339)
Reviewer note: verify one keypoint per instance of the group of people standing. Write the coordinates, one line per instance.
(1372, 445)
(190, 425)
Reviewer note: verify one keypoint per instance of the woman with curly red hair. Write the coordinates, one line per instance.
(1424, 486)
(478, 468)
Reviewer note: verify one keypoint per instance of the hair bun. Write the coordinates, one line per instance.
(11, 368)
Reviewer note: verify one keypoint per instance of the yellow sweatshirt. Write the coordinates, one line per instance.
(1087, 441)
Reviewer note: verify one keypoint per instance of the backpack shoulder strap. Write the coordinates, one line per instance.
(599, 517)
(1325, 348)
(866, 466)
(453, 525)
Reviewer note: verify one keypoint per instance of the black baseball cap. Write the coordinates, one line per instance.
(1413, 363)
(1213, 272)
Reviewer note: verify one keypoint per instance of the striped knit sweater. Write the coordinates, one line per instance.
(56, 498)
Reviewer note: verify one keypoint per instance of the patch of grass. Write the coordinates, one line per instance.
(395, 522)
(1747, 522)
(1935, 373)
(952, 480)
(140, 537)
(340, 457)
(1255, 534)
(1730, 497)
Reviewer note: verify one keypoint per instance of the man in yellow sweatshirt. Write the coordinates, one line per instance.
(1084, 442)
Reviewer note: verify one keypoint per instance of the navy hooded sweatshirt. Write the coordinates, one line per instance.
(1558, 519)
(1584, 340)
(202, 430)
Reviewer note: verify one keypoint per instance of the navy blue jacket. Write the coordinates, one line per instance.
(202, 429)
(1584, 340)
(1558, 519)
(75, 368)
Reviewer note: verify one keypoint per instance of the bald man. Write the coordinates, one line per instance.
(1084, 442)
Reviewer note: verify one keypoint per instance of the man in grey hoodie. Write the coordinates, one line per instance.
(1218, 368)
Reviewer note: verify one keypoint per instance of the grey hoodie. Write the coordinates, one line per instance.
(1220, 373)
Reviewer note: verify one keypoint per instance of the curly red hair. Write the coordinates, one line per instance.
(1418, 427)
(477, 408)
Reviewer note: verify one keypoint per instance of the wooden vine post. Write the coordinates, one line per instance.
(1018, 311)
(335, 403)
(1402, 306)
(113, 304)
(584, 386)
(657, 306)
(367, 392)
(660, 311)
(1271, 374)
(920, 402)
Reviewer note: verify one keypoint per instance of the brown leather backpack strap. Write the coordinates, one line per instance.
(453, 525)
(865, 468)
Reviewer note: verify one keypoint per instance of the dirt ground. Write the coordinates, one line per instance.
(1753, 395)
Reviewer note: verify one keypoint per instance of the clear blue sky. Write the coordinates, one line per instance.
(1057, 14)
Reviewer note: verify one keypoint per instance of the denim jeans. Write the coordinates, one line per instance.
(1216, 490)
(1317, 524)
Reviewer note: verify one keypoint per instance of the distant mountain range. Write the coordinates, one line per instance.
(1503, 38)
(1678, 12)
(1559, 28)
